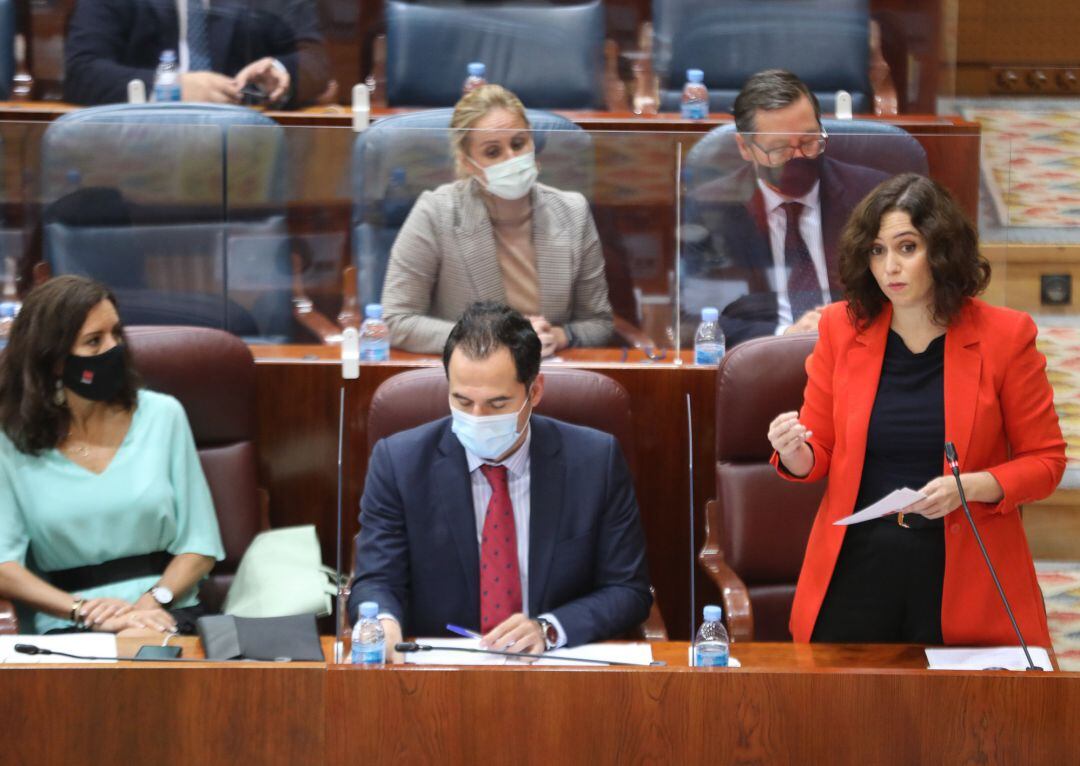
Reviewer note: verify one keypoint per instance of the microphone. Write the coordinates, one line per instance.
(406, 647)
(954, 466)
(33, 649)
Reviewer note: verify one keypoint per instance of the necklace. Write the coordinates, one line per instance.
(79, 449)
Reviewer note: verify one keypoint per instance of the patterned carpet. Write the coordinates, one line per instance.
(1060, 582)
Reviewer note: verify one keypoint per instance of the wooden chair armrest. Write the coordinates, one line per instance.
(264, 508)
(376, 81)
(615, 95)
(886, 102)
(633, 335)
(654, 628)
(9, 623)
(736, 598)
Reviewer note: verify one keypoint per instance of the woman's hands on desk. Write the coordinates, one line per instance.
(552, 339)
(788, 437)
(112, 615)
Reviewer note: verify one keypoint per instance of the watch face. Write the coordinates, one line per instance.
(162, 595)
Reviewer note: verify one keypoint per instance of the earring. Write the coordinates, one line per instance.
(59, 397)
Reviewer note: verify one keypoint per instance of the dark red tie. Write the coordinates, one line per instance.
(804, 290)
(500, 582)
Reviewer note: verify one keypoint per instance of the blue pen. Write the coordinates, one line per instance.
(463, 631)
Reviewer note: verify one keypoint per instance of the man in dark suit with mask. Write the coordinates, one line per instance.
(766, 254)
(520, 526)
(223, 47)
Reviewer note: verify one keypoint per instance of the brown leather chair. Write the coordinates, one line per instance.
(212, 373)
(757, 526)
(582, 397)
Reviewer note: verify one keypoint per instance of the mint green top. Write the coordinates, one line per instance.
(153, 496)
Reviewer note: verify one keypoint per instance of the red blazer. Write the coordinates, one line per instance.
(999, 413)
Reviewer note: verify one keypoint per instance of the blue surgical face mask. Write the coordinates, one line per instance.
(487, 436)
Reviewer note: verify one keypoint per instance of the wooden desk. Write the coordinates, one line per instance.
(788, 704)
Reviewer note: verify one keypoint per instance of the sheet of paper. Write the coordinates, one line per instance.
(986, 657)
(86, 644)
(891, 503)
(637, 653)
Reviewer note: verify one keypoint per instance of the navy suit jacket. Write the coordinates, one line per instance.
(111, 42)
(417, 553)
(732, 211)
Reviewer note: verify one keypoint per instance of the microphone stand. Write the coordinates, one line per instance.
(954, 466)
(407, 647)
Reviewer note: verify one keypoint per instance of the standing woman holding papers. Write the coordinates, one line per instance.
(911, 360)
(106, 520)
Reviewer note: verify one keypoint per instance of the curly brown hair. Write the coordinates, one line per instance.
(41, 338)
(952, 247)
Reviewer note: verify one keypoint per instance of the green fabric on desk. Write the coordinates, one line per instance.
(153, 496)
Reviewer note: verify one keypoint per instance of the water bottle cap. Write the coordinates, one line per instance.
(369, 609)
(476, 69)
(709, 314)
(373, 311)
(713, 613)
(695, 75)
(168, 55)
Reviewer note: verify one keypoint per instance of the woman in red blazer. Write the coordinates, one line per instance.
(911, 360)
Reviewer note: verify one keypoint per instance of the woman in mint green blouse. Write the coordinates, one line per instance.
(106, 519)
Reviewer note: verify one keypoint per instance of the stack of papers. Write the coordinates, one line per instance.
(635, 653)
(987, 658)
(86, 644)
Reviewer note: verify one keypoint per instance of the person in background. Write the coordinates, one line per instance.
(495, 234)
(106, 519)
(521, 527)
(771, 228)
(223, 46)
(910, 361)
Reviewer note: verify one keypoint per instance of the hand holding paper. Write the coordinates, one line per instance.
(893, 502)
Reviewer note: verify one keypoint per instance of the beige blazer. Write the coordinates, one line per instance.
(444, 259)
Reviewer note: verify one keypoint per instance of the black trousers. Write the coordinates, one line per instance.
(886, 587)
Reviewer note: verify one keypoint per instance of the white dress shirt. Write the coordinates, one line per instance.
(810, 228)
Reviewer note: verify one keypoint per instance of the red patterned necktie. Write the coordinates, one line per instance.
(804, 291)
(500, 582)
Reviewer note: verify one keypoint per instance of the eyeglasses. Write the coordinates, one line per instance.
(808, 148)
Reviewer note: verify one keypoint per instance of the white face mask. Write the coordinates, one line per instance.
(487, 436)
(510, 179)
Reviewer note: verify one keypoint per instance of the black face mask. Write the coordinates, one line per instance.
(794, 178)
(97, 378)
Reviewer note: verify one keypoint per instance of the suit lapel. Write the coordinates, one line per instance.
(455, 504)
(547, 472)
(863, 363)
(220, 20)
(553, 266)
(963, 367)
(477, 246)
(833, 217)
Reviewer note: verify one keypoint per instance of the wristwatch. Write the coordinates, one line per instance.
(162, 595)
(550, 633)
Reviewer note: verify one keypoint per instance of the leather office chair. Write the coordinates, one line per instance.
(551, 56)
(7, 48)
(180, 208)
(212, 373)
(829, 44)
(585, 398)
(757, 526)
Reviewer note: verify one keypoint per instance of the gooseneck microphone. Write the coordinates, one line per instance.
(954, 465)
(35, 649)
(406, 647)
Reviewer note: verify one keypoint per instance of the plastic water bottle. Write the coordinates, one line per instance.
(695, 96)
(711, 644)
(374, 335)
(475, 77)
(709, 338)
(368, 638)
(167, 78)
(10, 303)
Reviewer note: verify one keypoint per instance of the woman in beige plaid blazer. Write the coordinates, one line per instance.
(471, 240)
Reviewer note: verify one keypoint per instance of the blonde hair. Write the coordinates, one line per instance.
(473, 107)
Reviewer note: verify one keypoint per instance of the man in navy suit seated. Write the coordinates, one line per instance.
(762, 241)
(223, 47)
(513, 524)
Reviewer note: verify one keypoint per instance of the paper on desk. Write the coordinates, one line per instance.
(984, 658)
(88, 644)
(891, 503)
(637, 653)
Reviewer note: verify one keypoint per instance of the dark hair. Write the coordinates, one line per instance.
(40, 340)
(487, 326)
(952, 247)
(769, 90)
